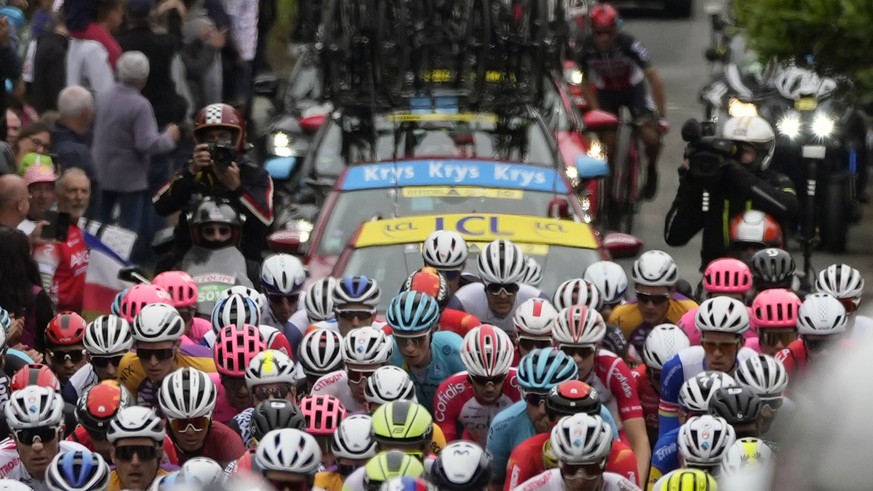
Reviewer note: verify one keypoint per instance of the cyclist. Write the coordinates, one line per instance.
(582, 444)
(431, 282)
(235, 348)
(136, 434)
(723, 277)
(35, 417)
(288, 458)
(461, 466)
(364, 350)
(206, 470)
(466, 403)
(107, 338)
(355, 299)
(352, 446)
(187, 399)
(533, 321)
(740, 407)
(616, 64)
(270, 375)
(703, 441)
(383, 467)
(267, 416)
(654, 275)
(323, 415)
(662, 344)
(64, 349)
(428, 355)
(388, 384)
(775, 311)
(317, 305)
(767, 379)
(321, 354)
(282, 278)
(184, 293)
(821, 323)
(533, 273)
(501, 268)
(846, 284)
(80, 470)
(138, 296)
(745, 455)
(239, 309)
(446, 251)
(611, 282)
(408, 427)
(582, 292)
(773, 268)
(687, 480)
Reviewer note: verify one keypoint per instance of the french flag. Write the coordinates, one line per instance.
(101, 280)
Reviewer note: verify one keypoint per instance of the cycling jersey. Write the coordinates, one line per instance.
(688, 325)
(649, 400)
(445, 348)
(458, 321)
(620, 67)
(629, 319)
(686, 364)
(665, 456)
(84, 378)
(115, 482)
(328, 481)
(527, 461)
(221, 445)
(460, 414)
(794, 358)
(199, 328)
(132, 375)
(62, 266)
(615, 385)
(223, 412)
(293, 332)
(337, 384)
(551, 480)
(11, 466)
(80, 436)
(473, 299)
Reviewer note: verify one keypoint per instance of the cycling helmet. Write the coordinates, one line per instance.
(756, 131)
(686, 480)
(572, 397)
(259, 298)
(356, 289)
(412, 312)
(755, 227)
(773, 266)
(270, 367)
(108, 335)
(763, 374)
(392, 463)
(703, 440)
(727, 275)
(207, 471)
(402, 422)
(136, 422)
(696, 392)
(501, 261)
(224, 116)
(33, 407)
(115, 308)
(578, 325)
(461, 466)
(610, 280)
(429, 281)
(288, 450)
(737, 405)
(775, 308)
(841, 281)
(722, 314)
(5, 320)
(655, 268)
(318, 300)
(604, 16)
(352, 439)
(235, 347)
(65, 329)
(821, 314)
(282, 274)
(321, 352)
(181, 287)
(576, 292)
(323, 414)
(273, 414)
(487, 351)
(533, 272)
(389, 384)
(35, 374)
(367, 346)
(535, 317)
(220, 211)
(80, 470)
(175, 481)
(407, 483)
(99, 404)
(138, 296)
(663, 342)
(581, 439)
(746, 453)
(444, 249)
(158, 322)
(235, 310)
(545, 368)
(187, 393)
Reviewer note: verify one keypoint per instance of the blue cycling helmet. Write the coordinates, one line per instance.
(545, 368)
(356, 289)
(80, 470)
(116, 303)
(412, 312)
(5, 320)
(237, 310)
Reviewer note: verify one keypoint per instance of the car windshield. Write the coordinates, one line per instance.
(354, 207)
(390, 265)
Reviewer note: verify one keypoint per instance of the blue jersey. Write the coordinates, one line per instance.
(445, 348)
(665, 456)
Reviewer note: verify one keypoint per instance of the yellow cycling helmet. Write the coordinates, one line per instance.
(403, 423)
(392, 463)
(689, 480)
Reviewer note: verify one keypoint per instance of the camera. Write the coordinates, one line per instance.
(222, 154)
(707, 156)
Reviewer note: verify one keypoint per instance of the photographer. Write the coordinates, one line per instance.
(219, 168)
(723, 177)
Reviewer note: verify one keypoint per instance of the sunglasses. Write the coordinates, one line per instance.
(774, 338)
(145, 452)
(74, 356)
(105, 361)
(215, 231)
(183, 425)
(535, 398)
(574, 350)
(484, 381)
(577, 471)
(162, 354)
(293, 298)
(28, 436)
(604, 33)
(652, 299)
(234, 384)
(450, 274)
(289, 485)
(530, 344)
(774, 403)
(352, 314)
(415, 340)
(819, 344)
(502, 288)
(264, 393)
(358, 376)
(727, 348)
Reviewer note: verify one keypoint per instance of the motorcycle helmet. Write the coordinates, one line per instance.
(215, 212)
(221, 116)
(756, 131)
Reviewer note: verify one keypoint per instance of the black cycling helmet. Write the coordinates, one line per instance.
(773, 266)
(273, 414)
(572, 397)
(737, 405)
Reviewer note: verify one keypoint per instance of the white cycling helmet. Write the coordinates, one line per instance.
(158, 322)
(578, 325)
(533, 272)
(655, 268)
(695, 393)
(282, 274)
(321, 352)
(136, 422)
(722, 314)
(288, 450)
(756, 131)
(367, 346)
(187, 393)
(821, 314)
(352, 439)
(389, 384)
(176, 481)
(259, 298)
(33, 407)
(576, 292)
(461, 465)
(581, 439)
(501, 261)
(841, 281)
(108, 335)
(663, 343)
(356, 289)
(610, 280)
(444, 249)
(703, 440)
(535, 317)
(80, 470)
(763, 374)
(318, 300)
(270, 367)
(235, 310)
(487, 351)
(207, 471)
(744, 454)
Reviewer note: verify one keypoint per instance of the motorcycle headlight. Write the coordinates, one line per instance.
(573, 76)
(789, 126)
(823, 125)
(738, 108)
(280, 144)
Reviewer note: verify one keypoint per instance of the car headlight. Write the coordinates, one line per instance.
(281, 144)
(823, 125)
(789, 126)
(738, 108)
(596, 149)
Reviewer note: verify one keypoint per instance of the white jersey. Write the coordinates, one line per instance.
(473, 299)
(11, 466)
(551, 480)
(337, 384)
(83, 379)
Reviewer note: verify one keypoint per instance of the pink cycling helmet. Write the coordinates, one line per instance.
(235, 347)
(138, 297)
(727, 275)
(323, 414)
(776, 308)
(181, 287)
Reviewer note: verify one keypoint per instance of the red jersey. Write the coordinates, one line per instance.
(222, 445)
(63, 267)
(649, 399)
(616, 387)
(460, 415)
(80, 436)
(793, 358)
(458, 321)
(526, 461)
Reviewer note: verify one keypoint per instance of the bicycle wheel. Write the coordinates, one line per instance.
(392, 48)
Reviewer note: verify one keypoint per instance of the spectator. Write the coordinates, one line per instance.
(93, 51)
(49, 76)
(201, 54)
(20, 291)
(14, 200)
(244, 22)
(13, 127)
(71, 136)
(10, 66)
(40, 180)
(34, 138)
(125, 137)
